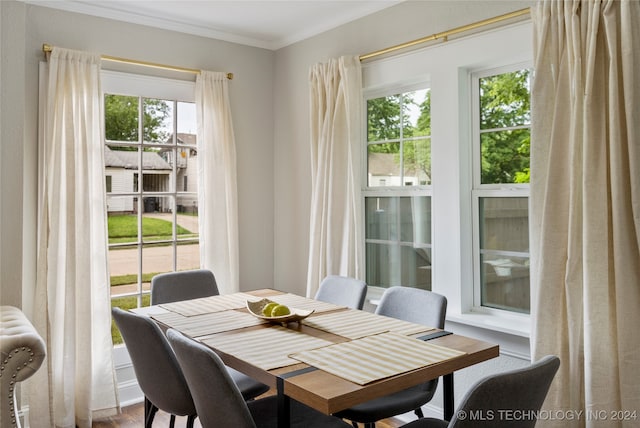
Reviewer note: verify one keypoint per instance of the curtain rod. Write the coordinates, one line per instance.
(48, 48)
(447, 33)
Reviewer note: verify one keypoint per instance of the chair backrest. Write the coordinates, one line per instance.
(342, 290)
(522, 390)
(183, 285)
(154, 362)
(414, 305)
(217, 398)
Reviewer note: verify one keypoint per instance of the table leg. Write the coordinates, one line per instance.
(447, 391)
(284, 405)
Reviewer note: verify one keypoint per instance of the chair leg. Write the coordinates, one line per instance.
(172, 421)
(419, 413)
(370, 425)
(190, 420)
(149, 412)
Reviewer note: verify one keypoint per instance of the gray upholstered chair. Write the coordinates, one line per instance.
(158, 372)
(342, 290)
(413, 305)
(22, 352)
(183, 285)
(489, 400)
(194, 284)
(223, 405)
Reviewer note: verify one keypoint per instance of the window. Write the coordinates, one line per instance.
(108, 183)
(150, 151)
(397, 196)
(501, 188)
(399, 139)
(474, 227)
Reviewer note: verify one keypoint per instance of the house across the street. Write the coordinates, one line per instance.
(123, 175)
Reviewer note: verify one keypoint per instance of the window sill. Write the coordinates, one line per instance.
(513, 325)
(511, 333)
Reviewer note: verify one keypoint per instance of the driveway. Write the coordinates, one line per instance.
(189, 222)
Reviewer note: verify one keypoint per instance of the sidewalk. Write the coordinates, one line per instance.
(155, 259)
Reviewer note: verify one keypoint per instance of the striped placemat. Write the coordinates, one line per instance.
(149, 310)
(355, 324)
(267, 348)
(305, 303)
(211, 323)
(205, 305)
(375, 357)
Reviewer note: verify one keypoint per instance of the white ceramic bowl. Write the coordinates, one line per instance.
(255, 309)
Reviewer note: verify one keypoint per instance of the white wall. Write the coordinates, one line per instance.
(12, 129)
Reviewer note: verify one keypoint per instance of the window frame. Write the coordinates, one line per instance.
(375, 292)
(493, 190)
(148, 87)
(448, 66)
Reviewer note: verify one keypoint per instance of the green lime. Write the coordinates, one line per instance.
(266, 309)
(280, 310)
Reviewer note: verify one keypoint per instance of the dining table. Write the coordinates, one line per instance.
(332, 359)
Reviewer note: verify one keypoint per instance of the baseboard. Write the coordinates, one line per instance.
(129, 393)
(431, 411)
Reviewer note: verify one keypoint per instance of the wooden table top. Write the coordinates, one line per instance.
(329, 393)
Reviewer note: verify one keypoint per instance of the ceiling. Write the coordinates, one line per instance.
(261, 23)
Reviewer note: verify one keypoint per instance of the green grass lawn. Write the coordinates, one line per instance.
(131, 278)
(126, 303)
(124, 228)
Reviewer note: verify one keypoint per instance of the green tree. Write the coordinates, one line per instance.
(424, 121)
(384, 120)
(390, 117)
(504, 118)
(122, 115)
(417, 153)
(504, 122)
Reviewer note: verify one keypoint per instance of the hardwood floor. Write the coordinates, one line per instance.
(133, 417)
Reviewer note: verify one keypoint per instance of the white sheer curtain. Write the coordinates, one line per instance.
(217, 188)
(72, 304)
(585, 196)
(336, 212)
